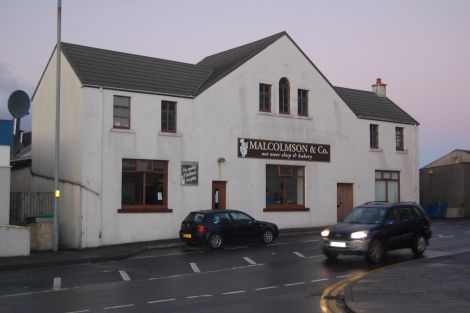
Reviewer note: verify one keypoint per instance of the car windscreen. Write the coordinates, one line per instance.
(194, 217)
(362, 215)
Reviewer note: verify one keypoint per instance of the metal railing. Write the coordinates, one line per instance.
(24, 205)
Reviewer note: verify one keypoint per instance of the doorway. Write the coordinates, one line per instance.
(218, 195)
(345, 200)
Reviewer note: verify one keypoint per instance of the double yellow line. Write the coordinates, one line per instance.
(334, 294)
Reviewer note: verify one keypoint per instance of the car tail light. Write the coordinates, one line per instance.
(201, 229)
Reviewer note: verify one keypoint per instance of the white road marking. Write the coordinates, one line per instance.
(199, 296)
(233, 292)
(163, 255)
(279, 244)
(162, 300)
(343, 276)
(118, 306)
(445, 236)
(266, 288)
(82, 311)
(236, 248)
(36, 292)
(294, 284)
(300, 255)
(124, 276)
(57, 283)
(313, 240)
(195, 268)
(319, 280)
(250, 261)
(315, 256)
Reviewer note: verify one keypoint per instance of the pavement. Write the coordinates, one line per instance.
(436, 284)
(104, 253)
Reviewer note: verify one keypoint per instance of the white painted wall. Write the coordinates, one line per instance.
(14, 241)
(207, 129)
(4, 185)
(71, 150)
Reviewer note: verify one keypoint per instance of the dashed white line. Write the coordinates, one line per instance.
(57, 283)
(195, 268)
(233, 292)
(250, 261)
(313, 240)
(319, 280)
(315, 256)
(198, 296)
(161, 301)
(119, 306)
(266, 288)
(300, 255)
(82, 311)
(343, 276)
(279, 244)
(294, 284)
(124, 276)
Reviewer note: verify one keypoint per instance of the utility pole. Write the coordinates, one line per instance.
(57, 130)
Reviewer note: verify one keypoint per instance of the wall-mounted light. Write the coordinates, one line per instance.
(221, 160)
(430, 171)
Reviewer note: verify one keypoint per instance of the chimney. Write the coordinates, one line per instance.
(379, 88)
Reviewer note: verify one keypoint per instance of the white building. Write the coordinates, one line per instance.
(256, 128)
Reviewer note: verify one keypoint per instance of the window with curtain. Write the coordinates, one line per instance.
(284, 94)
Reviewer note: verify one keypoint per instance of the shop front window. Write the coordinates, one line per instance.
(285, 188)
(144, 186)
(387, 186)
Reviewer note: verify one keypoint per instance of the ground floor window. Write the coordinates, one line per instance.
(387, 186)
(285, 187)
(144, 186)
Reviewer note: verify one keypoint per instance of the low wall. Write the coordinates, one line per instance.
(14, 240)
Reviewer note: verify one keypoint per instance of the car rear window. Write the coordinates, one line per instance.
(194, 217)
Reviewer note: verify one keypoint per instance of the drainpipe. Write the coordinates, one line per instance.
(101, 167)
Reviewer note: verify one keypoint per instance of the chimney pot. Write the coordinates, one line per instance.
(379, 88)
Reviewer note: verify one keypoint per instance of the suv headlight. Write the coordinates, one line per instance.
(325, 232)
(359, 234)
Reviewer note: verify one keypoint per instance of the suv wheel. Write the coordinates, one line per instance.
(376, 251)
(419, 245)
(267, 236)
(215, 241)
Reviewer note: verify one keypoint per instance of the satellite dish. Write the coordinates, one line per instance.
(19, 103)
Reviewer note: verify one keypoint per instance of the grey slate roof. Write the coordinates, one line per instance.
(225, 62)
(367, 105)
(98, 67)
(117, 70)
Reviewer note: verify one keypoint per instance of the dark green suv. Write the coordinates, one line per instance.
(373, 228)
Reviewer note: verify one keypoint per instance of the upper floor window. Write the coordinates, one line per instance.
(265, 98)
(284, 95)
(169, 116)
(399, 141)
(374, 136)
(302, 107)
(121, 112)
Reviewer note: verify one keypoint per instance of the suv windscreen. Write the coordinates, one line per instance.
(363, 215)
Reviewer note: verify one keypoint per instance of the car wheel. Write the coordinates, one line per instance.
(267, 236)
(419, 245)
(330, 255)
(376, 251)
(215, 241)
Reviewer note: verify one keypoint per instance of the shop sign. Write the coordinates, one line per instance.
(189, 173)
(283, 150)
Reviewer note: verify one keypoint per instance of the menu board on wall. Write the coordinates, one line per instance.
(189, 173)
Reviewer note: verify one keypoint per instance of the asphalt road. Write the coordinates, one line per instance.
(287, 276)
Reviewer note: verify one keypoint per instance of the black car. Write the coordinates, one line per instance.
(376, 227)
(216, 227)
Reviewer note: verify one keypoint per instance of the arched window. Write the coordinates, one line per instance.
(284, 95)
